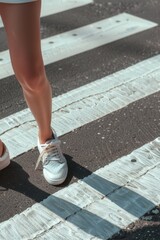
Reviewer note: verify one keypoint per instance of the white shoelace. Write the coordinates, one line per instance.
(52, 153)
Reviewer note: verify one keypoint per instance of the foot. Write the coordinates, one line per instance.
(55, 167)
(5, 158)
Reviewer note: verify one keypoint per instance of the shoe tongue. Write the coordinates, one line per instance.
(50, 140)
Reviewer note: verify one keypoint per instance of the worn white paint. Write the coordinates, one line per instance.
(97, 206)
(82, 39)
(50, 7)
(84, 104)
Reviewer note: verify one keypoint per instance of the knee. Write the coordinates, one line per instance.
(33, 81)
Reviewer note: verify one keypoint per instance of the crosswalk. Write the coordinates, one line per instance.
(84, 104)
(125, 188)
(52, 7)
(88, 37)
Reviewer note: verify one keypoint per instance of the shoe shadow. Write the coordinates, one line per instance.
(14, 177)
(75, 170)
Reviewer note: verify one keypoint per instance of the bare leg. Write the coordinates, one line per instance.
(22, 25)
(1, 148)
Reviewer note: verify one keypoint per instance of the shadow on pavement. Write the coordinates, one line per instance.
(14, 177)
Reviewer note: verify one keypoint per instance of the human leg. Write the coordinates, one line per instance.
(1, 143)
(1, 148)
(22, 25)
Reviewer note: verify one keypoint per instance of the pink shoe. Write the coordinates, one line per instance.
(4, 159)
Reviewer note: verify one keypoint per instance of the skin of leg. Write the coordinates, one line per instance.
(22, 25)
(1, 143)
(1, 148)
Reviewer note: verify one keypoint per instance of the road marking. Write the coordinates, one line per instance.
(83, 39)
(64, 215)
(110, 199)
(84, 104)
(52, 7)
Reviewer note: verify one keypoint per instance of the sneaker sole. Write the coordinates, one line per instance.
(56, 182)
(4, 164)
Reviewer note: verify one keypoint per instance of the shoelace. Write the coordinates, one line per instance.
(52, 151)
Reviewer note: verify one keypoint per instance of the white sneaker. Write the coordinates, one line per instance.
(55, 167)
(4, 159)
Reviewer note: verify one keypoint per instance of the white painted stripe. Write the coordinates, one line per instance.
(83, 39)
(97, 206)
(85, 104)
(50, 7)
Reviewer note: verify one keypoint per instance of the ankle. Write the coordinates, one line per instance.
(43, 137)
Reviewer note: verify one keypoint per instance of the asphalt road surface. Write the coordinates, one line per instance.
(106, 66)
